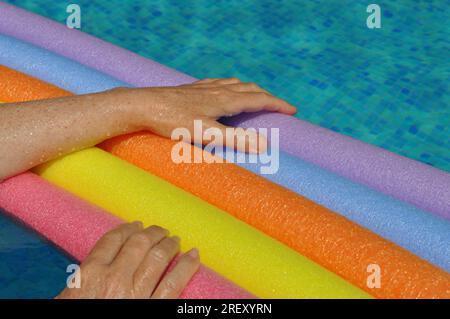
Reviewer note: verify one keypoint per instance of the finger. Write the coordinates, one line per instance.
(107, 247)
(240, 139)
(136, 248)
(203, 81)
(173, 283)
(245, 87)
(219, 81)
(227, 81)
(255, 102)
(154, 265)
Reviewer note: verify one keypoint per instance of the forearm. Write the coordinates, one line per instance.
(35, 132)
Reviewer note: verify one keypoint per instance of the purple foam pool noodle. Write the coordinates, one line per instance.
(424, 186)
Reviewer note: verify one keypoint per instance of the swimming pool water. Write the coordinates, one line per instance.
(388, 87)
(30, 267)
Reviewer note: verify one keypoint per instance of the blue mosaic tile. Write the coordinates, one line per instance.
(30, 267)
(388, 87)
(288, 47)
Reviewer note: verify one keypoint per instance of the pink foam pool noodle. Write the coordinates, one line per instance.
(75, 226)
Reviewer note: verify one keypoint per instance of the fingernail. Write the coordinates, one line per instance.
(193, 253)
(138, 223)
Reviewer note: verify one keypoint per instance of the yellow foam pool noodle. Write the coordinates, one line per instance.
(241, 253)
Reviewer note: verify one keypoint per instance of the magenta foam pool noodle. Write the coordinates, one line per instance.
(408, 180)
(75, 225)
(418, 231)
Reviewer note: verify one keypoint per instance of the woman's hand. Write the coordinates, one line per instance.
(131, 262)
(163, 109)
(35, 132)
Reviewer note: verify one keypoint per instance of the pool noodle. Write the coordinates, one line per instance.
(228, 245)
(31, 59)
(409, 227)
(285, 216)
(75, 226)
(156, 151)
(424, 186)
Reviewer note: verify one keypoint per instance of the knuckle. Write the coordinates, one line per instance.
(171, 284)
(114, 236)
(156, 229)
(140, 238)
(159, 254)
(173, 243)
(222, 96)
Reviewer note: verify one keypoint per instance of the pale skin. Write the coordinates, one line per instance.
(124, 263)
(130, 262)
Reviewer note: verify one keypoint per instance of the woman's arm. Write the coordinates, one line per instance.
(34, 132)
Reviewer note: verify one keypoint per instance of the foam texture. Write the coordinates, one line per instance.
(416, 183)
(317, 233)
(19, 88)
(394, 220)
(228, 245)
(30, 59)
(75, 226)
(297, 218)
(424, 186)
(154, 201)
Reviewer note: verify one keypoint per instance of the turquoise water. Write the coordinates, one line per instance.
(388, 87)
(30, 267)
